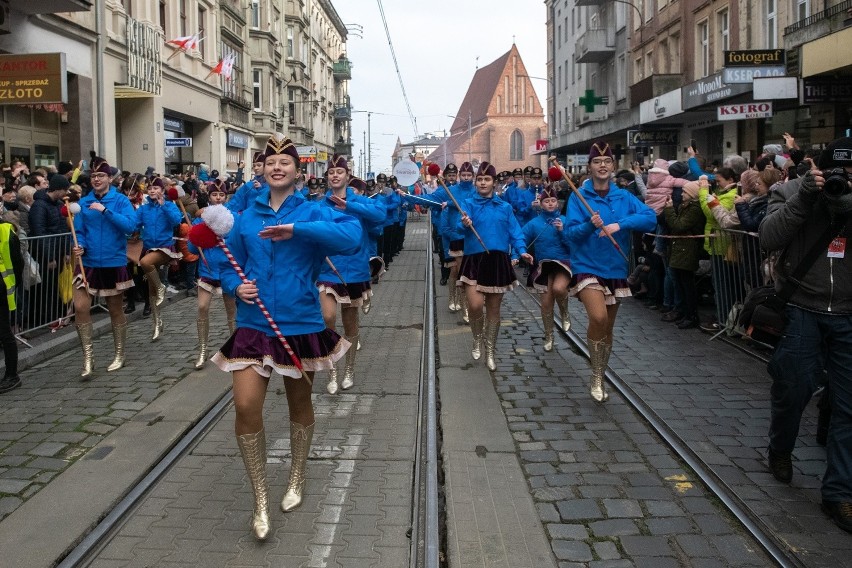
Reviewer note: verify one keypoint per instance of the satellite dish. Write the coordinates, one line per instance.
(406, 172)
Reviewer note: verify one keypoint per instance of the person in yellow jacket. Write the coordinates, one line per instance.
(727, 284)
(11, 270)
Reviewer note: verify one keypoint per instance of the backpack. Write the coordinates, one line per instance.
(762, 315)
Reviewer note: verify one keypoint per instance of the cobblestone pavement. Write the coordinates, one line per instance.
(610, 491)
(357, 502)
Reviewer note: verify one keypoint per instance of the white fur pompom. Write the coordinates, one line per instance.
(74, 208)
(223, 177)
(219, 218)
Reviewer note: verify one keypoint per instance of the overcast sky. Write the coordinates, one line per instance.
(438, 46)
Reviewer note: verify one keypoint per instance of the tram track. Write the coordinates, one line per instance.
(426, 533)
(748, 519)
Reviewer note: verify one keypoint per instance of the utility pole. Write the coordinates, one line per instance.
(369, 150)
(363, 154)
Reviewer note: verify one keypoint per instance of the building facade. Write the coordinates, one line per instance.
(139, 99)
(500, 119)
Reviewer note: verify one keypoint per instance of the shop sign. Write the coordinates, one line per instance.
(322, 156)
(754, 58)
(667, 104)
(775, 88)
(33, 78)
(173, 124)
(307, 151)
(826, 90)
(735, 75)
(541, 145)
(144, 66)
(178, 142)
(744, 111)
(709, 90)
(577, 160)
(652, 137)
(238, 139)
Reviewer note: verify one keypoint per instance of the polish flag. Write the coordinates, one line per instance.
(225, 67)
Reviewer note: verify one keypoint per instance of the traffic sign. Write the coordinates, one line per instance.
(178, 142)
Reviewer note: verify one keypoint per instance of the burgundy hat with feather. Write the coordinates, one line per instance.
(486, 169)
(466, 168)
(279, 144)
(338, 161)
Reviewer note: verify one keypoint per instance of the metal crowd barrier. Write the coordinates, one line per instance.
(44, 295)
(739, 267)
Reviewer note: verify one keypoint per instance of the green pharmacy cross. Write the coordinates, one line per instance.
(590, 101)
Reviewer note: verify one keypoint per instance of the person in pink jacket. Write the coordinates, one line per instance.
(660, 185)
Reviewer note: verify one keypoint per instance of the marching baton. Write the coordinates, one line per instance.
(334, 269)
(555, 173)
(548, 224)
(74, 238)
(432, 171)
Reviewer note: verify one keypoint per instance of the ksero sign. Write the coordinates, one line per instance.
(744, 111)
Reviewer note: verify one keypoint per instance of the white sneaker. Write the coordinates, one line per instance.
(171, 289)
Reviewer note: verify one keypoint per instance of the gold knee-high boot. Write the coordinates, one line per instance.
(160, 294)
(452, 293)
(253, 450)
(119, 338)
(332, 385)
(84, 330)
(476, 328)
(349, 370)
(492, 329)
(300, 447)
(368, 303)
(156, 318)
(463, 299)
(547, 324)
(203, 335)
(563, 311)
(598, 355)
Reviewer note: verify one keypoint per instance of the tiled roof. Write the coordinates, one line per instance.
(480, 92)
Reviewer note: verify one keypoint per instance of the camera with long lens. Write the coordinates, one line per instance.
(837, 182)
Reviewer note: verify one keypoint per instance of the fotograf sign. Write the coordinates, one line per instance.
(754, 58)
(34, 78)
(735, 75)
(744, 111)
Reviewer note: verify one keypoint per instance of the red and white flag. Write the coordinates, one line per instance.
(225, 67)
(186, 42)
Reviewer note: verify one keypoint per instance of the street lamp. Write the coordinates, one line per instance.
(469, 135)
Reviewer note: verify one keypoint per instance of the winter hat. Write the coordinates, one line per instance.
(690, 191)
(678, 169)
(58, 182)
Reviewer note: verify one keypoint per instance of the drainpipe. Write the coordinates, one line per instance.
(99, 75)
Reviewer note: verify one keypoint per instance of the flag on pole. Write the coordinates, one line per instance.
(225, 67)
(185, 43)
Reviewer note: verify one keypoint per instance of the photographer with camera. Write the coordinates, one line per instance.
(809, 220)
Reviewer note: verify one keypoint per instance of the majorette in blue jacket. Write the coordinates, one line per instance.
(286, 271)
(104, 235)
(355, 266)
(157, 223)
(550, 244)
(496, 224)
(245, 195)
(591, 254)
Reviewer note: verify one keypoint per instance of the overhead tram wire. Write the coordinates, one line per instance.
(398, 73)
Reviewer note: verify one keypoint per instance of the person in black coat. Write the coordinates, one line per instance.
(45, 220)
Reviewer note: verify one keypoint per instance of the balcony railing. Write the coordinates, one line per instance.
(343, 112)
(593, 47)
(589, 2)
(342, 69)
(817, 25)
(343, 148)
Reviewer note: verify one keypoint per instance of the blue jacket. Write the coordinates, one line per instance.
(392, 202)
(450, 226)
(496, 224)
(244, 196)
(286, 271)
(596, 255)
(404, 208)
(695, 170)
(157, 224)
(104, 235)
(550, 244)
(355, 266)
(521, 202)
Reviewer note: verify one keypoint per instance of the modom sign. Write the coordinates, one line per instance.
(709, 90)
(744, 111)
(34, 78)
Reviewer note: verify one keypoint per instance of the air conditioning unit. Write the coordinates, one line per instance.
(5, 18)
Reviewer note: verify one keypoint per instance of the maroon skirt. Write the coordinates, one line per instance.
(547, 267)
(352, 295)
(109, 281)
(264, 353)
(613, 288)
(491, 272)
(456, 248)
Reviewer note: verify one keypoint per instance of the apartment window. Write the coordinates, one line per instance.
(290, 47)
(255, 14)
(257, 88)
(674, 53)
(663, 56)
(565, 29)
(579, 68)
(516, 146)
(573, 74)
(291, 104)
(724, 30)
(559, 35)
(638, 69)
(703, 49)
(202, 19)
(621, 78)
(559, 81)
(234, 87)
(802, 9)
(771, 28)
(182, 6)
(560, 120)
(163, 15)
(128, 7)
